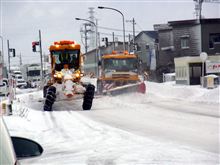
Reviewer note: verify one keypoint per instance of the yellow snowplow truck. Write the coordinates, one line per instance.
(119, 74)
(65, 80)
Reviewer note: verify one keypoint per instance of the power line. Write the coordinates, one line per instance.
(113, 29)
(139, 26)
(110, 34)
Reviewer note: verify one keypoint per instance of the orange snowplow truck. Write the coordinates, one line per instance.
(120, 74)
(65, 81)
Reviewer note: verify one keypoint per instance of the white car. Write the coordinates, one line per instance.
(14, 148)
(4, 90)
(20, 82)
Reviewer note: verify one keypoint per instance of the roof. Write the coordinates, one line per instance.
(64, 44)
(158, 27)
(153, 34)
(194, 21)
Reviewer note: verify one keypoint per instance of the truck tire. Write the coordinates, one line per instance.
(50, 98)
(88, 97)
(45, 90)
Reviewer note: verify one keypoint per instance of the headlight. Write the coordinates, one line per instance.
(77, 75)
(58, 75)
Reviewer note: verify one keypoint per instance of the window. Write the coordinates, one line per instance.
(138, 47)
(33, 73)
(214, 38)
(184, 42)
(70, 57)
(128, 64)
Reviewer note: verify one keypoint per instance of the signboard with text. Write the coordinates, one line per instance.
(212, 67)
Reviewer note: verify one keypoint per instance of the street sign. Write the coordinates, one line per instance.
(203, 56)
(212, 66)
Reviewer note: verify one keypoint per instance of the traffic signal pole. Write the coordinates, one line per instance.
(41, 60)
(133, 22)
(9, 69)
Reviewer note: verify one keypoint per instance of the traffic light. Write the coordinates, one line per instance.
(105, 40)
(13, 51)
(34, 44)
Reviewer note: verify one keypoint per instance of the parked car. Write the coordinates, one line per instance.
(4, 90)
(20, 82)
(14, 148)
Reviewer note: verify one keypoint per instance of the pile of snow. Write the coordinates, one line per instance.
(193, 93)
(27, 90)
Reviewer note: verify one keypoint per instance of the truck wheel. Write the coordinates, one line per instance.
(45, 90)
(50, 98)
(88, 97)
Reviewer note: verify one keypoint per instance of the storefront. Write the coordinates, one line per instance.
(189, 69)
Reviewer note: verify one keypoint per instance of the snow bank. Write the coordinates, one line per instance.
(193, 93)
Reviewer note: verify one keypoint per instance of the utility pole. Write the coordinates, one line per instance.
(2, 50)
(86, 48)
(133, 23)
(20, 60)
(41, 61)
(92, 33)
(9, 69)
(96, 41)
(129, 42)
(113, 36)
(86, 37)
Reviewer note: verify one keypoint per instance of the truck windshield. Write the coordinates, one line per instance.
(34, 73)
(129, 64)
(70, 57)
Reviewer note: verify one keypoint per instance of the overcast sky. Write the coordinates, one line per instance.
(22, 19)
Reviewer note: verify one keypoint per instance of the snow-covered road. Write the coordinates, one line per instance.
(156, 128)
(169, 121)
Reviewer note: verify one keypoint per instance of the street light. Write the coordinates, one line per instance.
(101, 7)
(96, 41)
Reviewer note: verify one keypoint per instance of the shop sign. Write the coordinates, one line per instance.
(212, 67)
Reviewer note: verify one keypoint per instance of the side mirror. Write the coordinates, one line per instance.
(26, 148)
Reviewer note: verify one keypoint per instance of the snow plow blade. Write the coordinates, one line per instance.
(131, 88)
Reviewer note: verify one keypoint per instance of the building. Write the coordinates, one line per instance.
(145, 43)
(180, 45)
